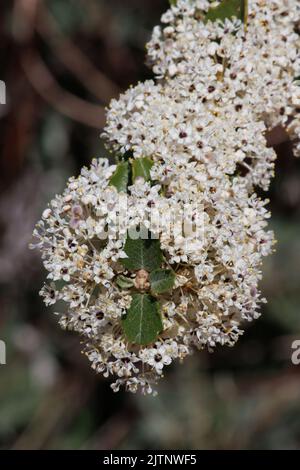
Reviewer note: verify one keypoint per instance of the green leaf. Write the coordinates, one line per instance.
(120, 178)
(173, 2)
(124, 282)
(142, 167)
(142, 322)
(228, 9)
(162, 280)
(142, 254)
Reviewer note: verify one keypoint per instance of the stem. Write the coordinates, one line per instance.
(246, 8)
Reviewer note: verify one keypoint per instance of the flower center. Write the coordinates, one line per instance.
(158, 357)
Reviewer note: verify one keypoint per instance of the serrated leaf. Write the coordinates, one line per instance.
(120, 178)
(124, 282)
(162, 280)
(228, 9)
(142, 322)
(142, 167)
(142, 254)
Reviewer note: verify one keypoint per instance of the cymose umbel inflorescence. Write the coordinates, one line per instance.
(160, 254)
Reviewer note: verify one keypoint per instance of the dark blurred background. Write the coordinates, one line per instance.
(62, 61)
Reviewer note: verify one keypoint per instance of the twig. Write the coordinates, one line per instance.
(72, 57)
(42, 79)
(68, 104)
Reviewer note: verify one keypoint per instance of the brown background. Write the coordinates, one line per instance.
(62, 61)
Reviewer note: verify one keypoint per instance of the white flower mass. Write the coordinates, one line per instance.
(203, 121)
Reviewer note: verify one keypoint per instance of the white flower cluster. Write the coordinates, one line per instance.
(203, 123)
